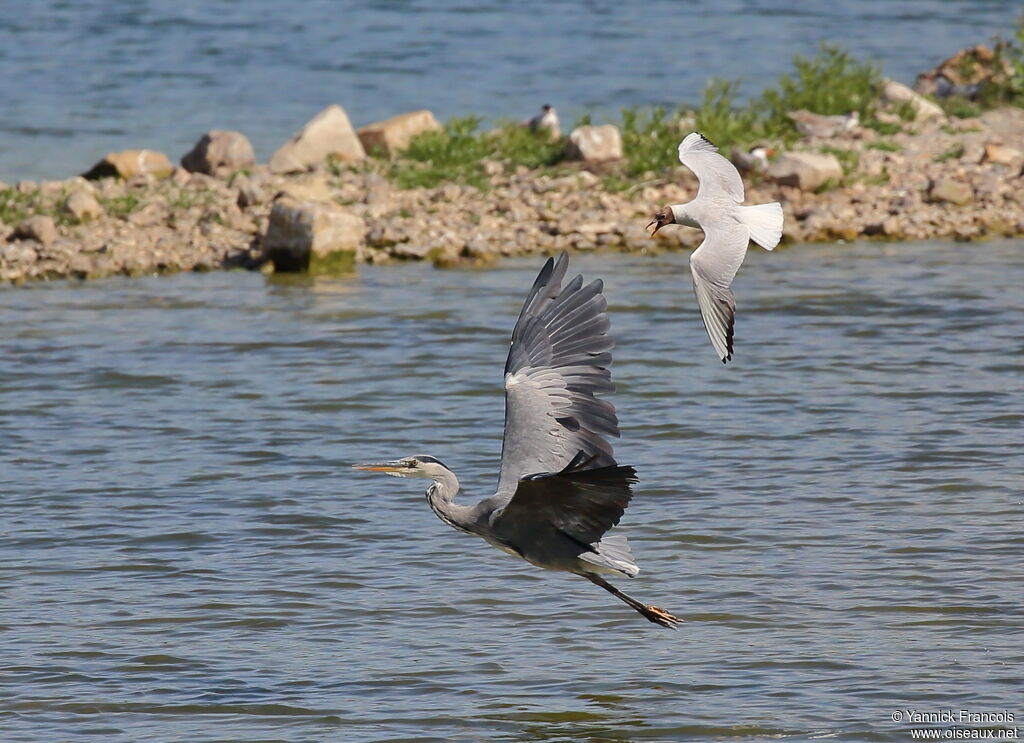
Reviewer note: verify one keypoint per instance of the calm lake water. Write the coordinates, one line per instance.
(85, 77)
(836, 515)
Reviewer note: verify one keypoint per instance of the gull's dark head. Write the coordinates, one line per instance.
(663, 217)
(421, 465)
(546, 107)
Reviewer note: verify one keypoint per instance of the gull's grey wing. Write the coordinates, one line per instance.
(557, 366)
(578, 504)
(714, 265)
(717, 176)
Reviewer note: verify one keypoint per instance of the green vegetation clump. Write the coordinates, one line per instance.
(722, 120)
(455, 153)
(955, 152)
(960, 107)
(1004, 88)
(885, 128)
(849, 159)
(830, 83)
(650, 139)
(121, 206)
(16, 206)
(884, 145)
(874, 180)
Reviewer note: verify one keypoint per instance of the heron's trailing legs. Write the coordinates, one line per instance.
(652, 613)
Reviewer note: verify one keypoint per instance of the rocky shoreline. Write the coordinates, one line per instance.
(933, 178)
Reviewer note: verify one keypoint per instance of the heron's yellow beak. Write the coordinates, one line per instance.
(380, 467)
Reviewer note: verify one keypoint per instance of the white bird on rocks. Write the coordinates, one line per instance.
(546, 119)
(728, 228)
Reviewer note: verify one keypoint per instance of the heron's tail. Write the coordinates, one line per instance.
(764, 222)
(612, 552)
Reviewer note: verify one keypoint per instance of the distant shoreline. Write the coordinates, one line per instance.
(455, 196)
(191, 221)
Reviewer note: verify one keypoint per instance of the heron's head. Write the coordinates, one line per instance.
(663, 217)
(420, 465)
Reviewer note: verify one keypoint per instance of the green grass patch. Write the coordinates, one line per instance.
(885, 128)
(183, 199)
(1004, 88)
(849, 159)
(454, 154)
(830, 83)
(906, 111)
(650, 140)
(724, 122)
(884, 145)
(874, 180)
(246, 172)
(121, 206)
(953, 153)
(517, 145)
(959, 107)
(16, 206)
(450, 155)
(828, 185)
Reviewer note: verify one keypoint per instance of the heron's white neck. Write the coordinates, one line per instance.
(681, 213)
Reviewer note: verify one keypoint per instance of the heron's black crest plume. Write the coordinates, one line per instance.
(431, 460)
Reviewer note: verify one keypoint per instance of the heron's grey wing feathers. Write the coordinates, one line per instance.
(717, 176)
(714, 265)
(580, 502)
(558, 364)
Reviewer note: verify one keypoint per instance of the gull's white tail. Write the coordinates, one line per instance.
(764, 222)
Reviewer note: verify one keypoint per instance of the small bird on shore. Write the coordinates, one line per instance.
(816, 125)
(560, 490)
(754, 160)
(728, 228)
(546, 119)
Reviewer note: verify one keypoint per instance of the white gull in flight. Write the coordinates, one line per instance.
(728, 228)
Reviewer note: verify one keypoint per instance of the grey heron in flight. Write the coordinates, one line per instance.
(560, 489)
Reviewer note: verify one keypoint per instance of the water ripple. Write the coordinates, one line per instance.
(186, 555)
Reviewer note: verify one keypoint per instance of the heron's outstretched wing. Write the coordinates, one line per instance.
(557, 366)
(580, 502)
(714, 265)
(718, 177)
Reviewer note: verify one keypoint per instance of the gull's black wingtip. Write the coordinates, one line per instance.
(701, 135)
